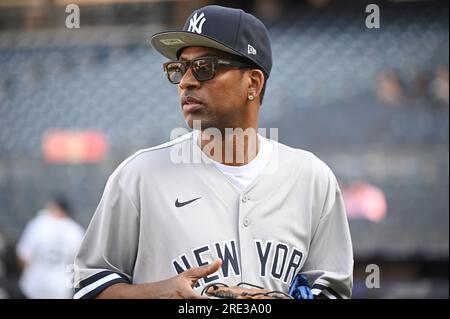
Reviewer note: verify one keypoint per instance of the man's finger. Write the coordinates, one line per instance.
(203, 271)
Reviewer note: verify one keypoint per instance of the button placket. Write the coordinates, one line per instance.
(246, 220)
(245, 230)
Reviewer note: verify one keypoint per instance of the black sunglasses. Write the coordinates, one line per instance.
(203, 68)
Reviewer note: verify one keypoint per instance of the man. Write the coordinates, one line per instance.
(255, 211)
(46, 250)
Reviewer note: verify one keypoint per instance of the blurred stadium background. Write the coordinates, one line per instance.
(372, 103)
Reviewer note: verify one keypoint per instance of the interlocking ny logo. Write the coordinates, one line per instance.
(196, 23)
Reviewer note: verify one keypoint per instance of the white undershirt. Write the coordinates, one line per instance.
(242, 176)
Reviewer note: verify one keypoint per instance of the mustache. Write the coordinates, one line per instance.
(190, 98)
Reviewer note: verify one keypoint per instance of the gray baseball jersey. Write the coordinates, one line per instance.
(158, 218)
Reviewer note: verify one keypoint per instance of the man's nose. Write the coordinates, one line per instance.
(188, 80)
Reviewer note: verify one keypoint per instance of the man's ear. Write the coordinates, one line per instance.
(256, 82)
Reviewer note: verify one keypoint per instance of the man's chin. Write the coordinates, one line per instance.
(197, 123)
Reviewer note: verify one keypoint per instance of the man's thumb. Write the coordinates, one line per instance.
(203, 271)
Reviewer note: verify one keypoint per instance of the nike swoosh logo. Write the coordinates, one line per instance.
(181, 204)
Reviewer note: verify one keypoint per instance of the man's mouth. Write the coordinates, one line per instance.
(190, 104)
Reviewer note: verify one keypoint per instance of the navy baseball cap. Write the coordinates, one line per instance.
(226, 29)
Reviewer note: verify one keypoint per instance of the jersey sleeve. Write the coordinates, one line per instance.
(329, 265)
(108, 251)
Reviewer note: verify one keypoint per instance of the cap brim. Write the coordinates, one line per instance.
(170, 42)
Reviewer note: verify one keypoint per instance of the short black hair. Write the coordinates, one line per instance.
(62, 202)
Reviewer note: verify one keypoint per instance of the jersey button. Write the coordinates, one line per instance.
(245, 199)
(246, 222)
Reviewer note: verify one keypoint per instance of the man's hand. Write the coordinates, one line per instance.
(181, 286)
(178, 287)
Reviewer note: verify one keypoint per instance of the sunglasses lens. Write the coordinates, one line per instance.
(175, 72)
(203, 69)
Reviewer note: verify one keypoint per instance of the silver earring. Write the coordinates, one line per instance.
(251, 97)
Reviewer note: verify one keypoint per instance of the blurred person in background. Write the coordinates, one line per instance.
(389, 88)
(439, 86)
(47, 249)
